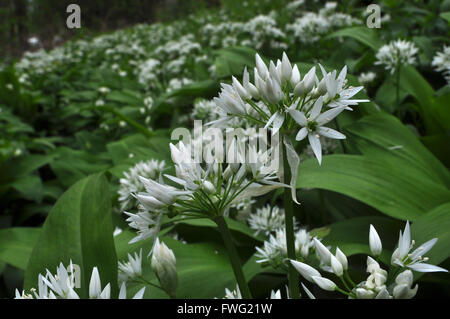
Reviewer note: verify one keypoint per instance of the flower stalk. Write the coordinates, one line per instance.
(293, 278)
(233, 255)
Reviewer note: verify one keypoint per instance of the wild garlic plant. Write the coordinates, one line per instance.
(394, 283)
(394, 56)
(63, 285)
(203, 190)
(281, 99)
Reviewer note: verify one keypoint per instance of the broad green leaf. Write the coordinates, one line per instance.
(16, 245)
(363, 34)
(390, 186)
(412, 82)
(72, 165)
(231, 61)
(78, 228)
(446, 16)
(382, 136)
(434, 224)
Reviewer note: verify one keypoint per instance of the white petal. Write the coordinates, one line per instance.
(301, 134)
(310, 295)
(139, 294)
(95, 288)
(294, 162)
(329, 115)
(316, 147)
(299, 117)
(421, 267)
(316, 108)
(423, 249)
(123, 291)
(330, 133)
(277, 123)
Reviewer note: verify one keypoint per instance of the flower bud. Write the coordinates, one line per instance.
(295, 76)
(209, 187)
(374, 242)
(336, 266)
(324, 253)
(305, 270)
(342, 258)
(164, 265)
(324, 283)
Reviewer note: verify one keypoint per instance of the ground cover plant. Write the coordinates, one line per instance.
(335, 184)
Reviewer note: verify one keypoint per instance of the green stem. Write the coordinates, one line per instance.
(347, 275)
(293, 277)
(234, 257)
(398, 88)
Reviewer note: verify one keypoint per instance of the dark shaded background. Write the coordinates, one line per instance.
(46, 19)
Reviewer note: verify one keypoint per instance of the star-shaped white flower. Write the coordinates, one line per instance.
(312, 126)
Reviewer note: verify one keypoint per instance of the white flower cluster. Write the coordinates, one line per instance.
(312, 26)
(131, 268)
(205, 190)
(376, 285)
(131, 184)
(274, 250)
(266, 220)
(366, 78)
(396, 54)
(279, 96)
(441, 62)
(62, 285)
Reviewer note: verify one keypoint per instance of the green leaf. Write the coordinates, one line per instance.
(390, 186)
(382, 136)
(72, 165)
(412, 82)
(363, 34)
(434, 224)
(78, 228)
(16, 245)
(231, 61)
(446, 16)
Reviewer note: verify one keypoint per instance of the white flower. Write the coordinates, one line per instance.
(131, 184)
(145, 222)
(415, 260)
(274, 250)
(267, 219)
(396, 54)
(123, 292)
(374, 242)
(366, 78)
(95, 287)
(312, 126)
(402, 289)
(62, 284)
(131, 268)
(441, 62)
(233, 294)
(164, 265)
